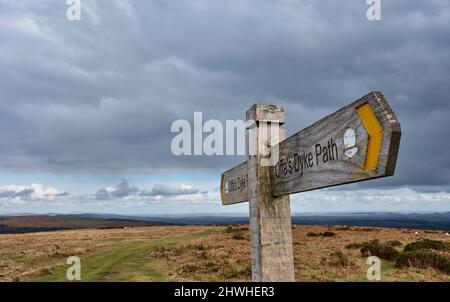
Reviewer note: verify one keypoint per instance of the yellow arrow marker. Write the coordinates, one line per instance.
(375, 132)
(222, 188)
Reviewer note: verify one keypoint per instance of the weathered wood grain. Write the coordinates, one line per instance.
(305, 165)
(270, 217)
(266, 113)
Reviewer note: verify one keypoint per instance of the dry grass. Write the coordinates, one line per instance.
(198, 253)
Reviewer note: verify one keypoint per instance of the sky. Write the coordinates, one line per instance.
(87, 105)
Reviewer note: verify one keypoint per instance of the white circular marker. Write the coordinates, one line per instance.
(350, 148)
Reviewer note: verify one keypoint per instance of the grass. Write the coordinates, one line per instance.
(124, 262)
(129, 261)
(200, 253)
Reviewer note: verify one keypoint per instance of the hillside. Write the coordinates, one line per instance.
(26, 224)
(440, 221)
(206, 253)
(29, 223)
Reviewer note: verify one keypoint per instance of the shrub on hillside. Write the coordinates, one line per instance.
(427, 244)
(394, 243)
(343, 228)
(238, 236)
(326, 234)
(229, 229)
(424, 259)
(312, 235)
(375, 248)
(337, 259)
(234, 271)
(367, 230)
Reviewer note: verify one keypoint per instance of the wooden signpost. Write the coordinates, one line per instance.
(358, 142)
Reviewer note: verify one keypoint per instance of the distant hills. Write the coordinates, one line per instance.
(439, 221)
(30, 223)
(42, 223)
(436, 221)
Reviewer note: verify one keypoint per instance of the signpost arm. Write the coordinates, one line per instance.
(270, 217)
(356, 143)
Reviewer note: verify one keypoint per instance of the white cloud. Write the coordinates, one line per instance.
(396, 199)
(125, 190)
(163, 190)
(176, 198)
(33, 192)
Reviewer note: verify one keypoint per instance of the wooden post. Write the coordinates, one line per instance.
(270, 217)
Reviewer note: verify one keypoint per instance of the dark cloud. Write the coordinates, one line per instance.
(98, 96)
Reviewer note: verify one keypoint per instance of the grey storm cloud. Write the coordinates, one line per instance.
(99, 95)
(124, 189)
